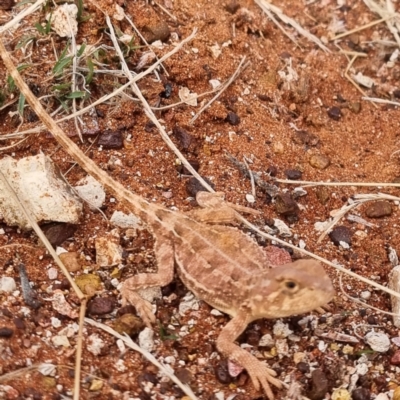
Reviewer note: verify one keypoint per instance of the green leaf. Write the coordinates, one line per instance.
(62, 86)
(40, 28)
(10, 79)
(61, 64)
(81, 50)
(76, 95)
(89, 76)
(21, 104)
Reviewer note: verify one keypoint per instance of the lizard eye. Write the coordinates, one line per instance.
(290, 285)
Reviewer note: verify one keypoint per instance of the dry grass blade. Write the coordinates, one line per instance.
(358, 29)
(269, 8)
(130, 343)
(360, 184)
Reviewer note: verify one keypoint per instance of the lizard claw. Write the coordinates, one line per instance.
(262, 377)
(143, 307)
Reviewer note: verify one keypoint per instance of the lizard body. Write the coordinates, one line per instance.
(227, 269)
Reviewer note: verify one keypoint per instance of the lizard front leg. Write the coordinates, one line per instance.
(259, 373)
(164, 254)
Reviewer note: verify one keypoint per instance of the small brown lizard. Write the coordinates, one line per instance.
(227, 269)
(219, 264)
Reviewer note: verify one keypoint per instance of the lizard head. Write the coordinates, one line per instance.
(287, 290)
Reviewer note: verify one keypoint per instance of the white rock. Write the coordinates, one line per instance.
(60, 340)
(151, 293)
(52, 273)
(282, 347)
(64, 20)
(146, 339)
(188, 303)
(281, 329)
(365, 294)
(94, 344)
(250, 198)
(266, 341)
(91, 191)
(7, 284)
(126, 221)
(378, 341)
(361, 369)
(187, 96)
(108, 252)
(37, 180)
(283, 229)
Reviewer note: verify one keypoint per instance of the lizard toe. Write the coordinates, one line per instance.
(142, 306)
(262, 377)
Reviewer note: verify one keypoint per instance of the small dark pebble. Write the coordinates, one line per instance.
(340, 234)
(335, 113)
(193, 186)
(6, 332)
(362, 312)
(285, 55)
(111, 139)
(100, 113)
(323, 194)
(305, 138)
(19, 323)
(166, 94)
(322, 320)
(222, 373)
(253, 337)
(185, 138)
(293, 174)
(361, 394)
(32, 393)
(147, 377)
(232, 6)
(7, 4)
(372, 320)
(396, 93)
(194, 163)
(232, 118)
(157, 31)
(319, 385)
(58, 233)
(285, 205)
(6, 312)
(381, 383)
(379, 209)
(264, 97)
(395, 360)
(272, 170)
(149, 126)
(303, 367)
(184, 375)
(101, 305)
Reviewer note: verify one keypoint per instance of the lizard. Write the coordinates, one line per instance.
(227, 269)
(220, 264)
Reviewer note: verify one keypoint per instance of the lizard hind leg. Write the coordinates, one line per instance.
(164, 254)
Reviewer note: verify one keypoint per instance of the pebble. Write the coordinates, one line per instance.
(232, 118)
(58, 233)
(222, 372)
(340, 234)
(156, 31)
(184, 375)
(94, 344)
(319, 161)
(341, 394)
(305, 138)
(193, 186)
(281, 329)
(361, 394)
(7, 4)
(125, 221)
(129, 324)
(266, 341)
(293, 174)
(366, 295)
(395, 360)
(7, 284)
(323, 194)
(6, 332)
(303, 367)
(396, 394)
(184, 138)
(71, 261)
(146, 339)
(91, 191)
(378, 341)
(285, 205)
(335, 113)
(111, 139)
(319, 385)
(101, 306)
(277, 255)
(108, 252)
(379, 209)
(88, 283)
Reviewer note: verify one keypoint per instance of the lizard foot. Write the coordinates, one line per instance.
(143, 307)
(262, 377)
